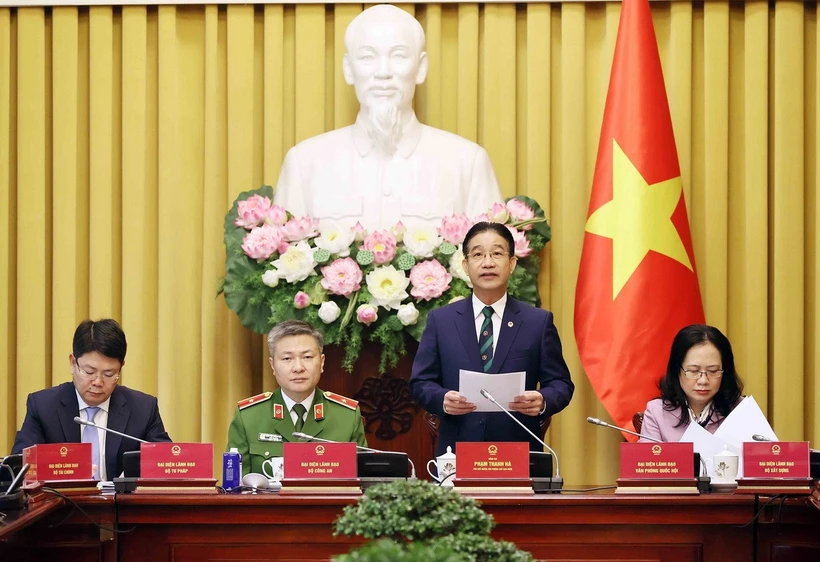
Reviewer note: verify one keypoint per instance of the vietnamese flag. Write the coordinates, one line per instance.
(637, 284)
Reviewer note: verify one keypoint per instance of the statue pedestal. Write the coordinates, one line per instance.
(393, 421)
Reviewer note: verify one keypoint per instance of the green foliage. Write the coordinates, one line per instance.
(412, 510)
(259, 306)
(414, 518)
(481, 548)
(391, 551)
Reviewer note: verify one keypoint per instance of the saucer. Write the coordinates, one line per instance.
(723, 487)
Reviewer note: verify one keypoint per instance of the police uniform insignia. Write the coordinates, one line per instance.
(319, 411)
(278, 411)
(344, 401)
(269, 437)
(254, 400)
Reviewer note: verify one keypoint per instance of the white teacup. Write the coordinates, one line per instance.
(445, 468)
(725, 466)
(274, 468)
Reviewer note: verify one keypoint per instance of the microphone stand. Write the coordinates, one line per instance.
(125, 484)
(81, 421)
(555, 483)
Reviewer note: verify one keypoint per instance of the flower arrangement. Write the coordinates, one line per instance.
(353, 284)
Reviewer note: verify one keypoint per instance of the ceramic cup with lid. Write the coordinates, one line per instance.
(725, 465)
(445, 468)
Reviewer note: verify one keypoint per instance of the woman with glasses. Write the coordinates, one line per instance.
(700, 386)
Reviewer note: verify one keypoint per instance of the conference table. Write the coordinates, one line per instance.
(592, 526)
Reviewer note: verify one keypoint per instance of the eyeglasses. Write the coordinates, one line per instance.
(107, 376)
(695, 374)
(496, 256)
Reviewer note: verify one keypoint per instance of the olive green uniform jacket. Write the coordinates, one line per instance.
(258, 435)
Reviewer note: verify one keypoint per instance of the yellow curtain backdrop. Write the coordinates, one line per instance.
(126, 132)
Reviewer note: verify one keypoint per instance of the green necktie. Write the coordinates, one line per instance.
(485, 339)
(300, 416)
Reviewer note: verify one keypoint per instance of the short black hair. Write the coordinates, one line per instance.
(731, 387)
(290, 328)
(105, 336)
(483, 226)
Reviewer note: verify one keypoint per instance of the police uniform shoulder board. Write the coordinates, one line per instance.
(344, 401)
(254, 400)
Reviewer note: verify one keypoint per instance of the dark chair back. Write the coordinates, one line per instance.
(637, 421)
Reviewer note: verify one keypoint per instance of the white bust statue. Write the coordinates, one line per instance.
(387, 166)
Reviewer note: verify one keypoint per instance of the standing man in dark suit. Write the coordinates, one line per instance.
(96, 363)
(490, 333)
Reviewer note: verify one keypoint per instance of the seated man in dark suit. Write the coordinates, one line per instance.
(96, 362)
(492, 333)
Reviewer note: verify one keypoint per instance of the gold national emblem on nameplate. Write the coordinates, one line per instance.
(493, 450)
(657, 450)
(269, 437)
(320, 450)
(775, 449)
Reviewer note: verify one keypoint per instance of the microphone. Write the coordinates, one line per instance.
(602, 423)
(81, 421)
(758, 437)
(557, 480)
(308, 437)
(18, 480)
(704, 481)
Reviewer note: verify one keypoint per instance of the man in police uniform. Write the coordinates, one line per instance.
(264, 422)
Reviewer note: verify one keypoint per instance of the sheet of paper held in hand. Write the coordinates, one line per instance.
(502, 386)
(739, 426)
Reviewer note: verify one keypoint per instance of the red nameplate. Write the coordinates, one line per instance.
(492, 460)
(176, 460)
(58, 461)
(657, 460)
(776, 459)
(319, 460)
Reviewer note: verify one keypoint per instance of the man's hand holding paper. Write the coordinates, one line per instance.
(506, 388)
(530, 403)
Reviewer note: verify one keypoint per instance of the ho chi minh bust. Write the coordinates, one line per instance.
(387, 166)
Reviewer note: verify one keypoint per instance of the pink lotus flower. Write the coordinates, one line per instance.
(359, 231)
(453, 229)
(429, 279)
(276, 215)
(382, 244)
(300, 229)
(522, 245)
(499, 213)
(262, 242)
(366, 314)
(398, 231)
(252, 211)
(342, 277)
(520, 211)
(301, 300)
(483, 217)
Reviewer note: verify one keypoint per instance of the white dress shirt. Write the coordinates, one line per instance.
(290, 403)
(101, 419)
(498, 313)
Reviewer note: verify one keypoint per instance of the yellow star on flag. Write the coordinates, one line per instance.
(637, 219)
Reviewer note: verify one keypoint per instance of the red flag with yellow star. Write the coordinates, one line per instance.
(637, 284)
